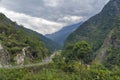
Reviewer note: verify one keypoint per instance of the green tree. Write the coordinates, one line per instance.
(82, 51)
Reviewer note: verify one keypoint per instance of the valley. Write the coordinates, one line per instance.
(87, 50)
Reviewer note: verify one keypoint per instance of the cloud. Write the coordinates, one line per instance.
(57, 12)
(51, 3)
(38, 24)
(70, 19)
(54, 9)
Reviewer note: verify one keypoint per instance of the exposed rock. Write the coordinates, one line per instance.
(20, 58)
(1, 48)
(4, 56)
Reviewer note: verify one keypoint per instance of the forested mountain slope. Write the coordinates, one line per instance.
(97, 29)
(49, 43)
(20, 45)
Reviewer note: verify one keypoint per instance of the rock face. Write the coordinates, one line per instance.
(4, 57)
(20, 58)
(1, 47)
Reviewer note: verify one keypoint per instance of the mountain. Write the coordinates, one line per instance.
(102, 33)
(19, 45)
(49, 44)
(60, 36)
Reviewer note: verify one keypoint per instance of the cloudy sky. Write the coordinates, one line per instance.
(49, 16)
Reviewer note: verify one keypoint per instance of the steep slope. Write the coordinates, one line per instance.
(102, 52)
(19, 46)
(49, 43)
(109, 53)
(113, 53)
(61, 35)
(96, 29)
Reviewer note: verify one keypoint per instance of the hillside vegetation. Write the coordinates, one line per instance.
(102, 33)
(14, 39)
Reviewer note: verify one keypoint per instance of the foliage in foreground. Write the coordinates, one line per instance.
(65, 67)
(96, 72)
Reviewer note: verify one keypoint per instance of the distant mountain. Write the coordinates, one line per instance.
(102, 31)
(60, 36)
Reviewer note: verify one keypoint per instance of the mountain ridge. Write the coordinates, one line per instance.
(62, 34)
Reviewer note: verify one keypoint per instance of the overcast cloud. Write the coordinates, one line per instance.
(48, 16)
